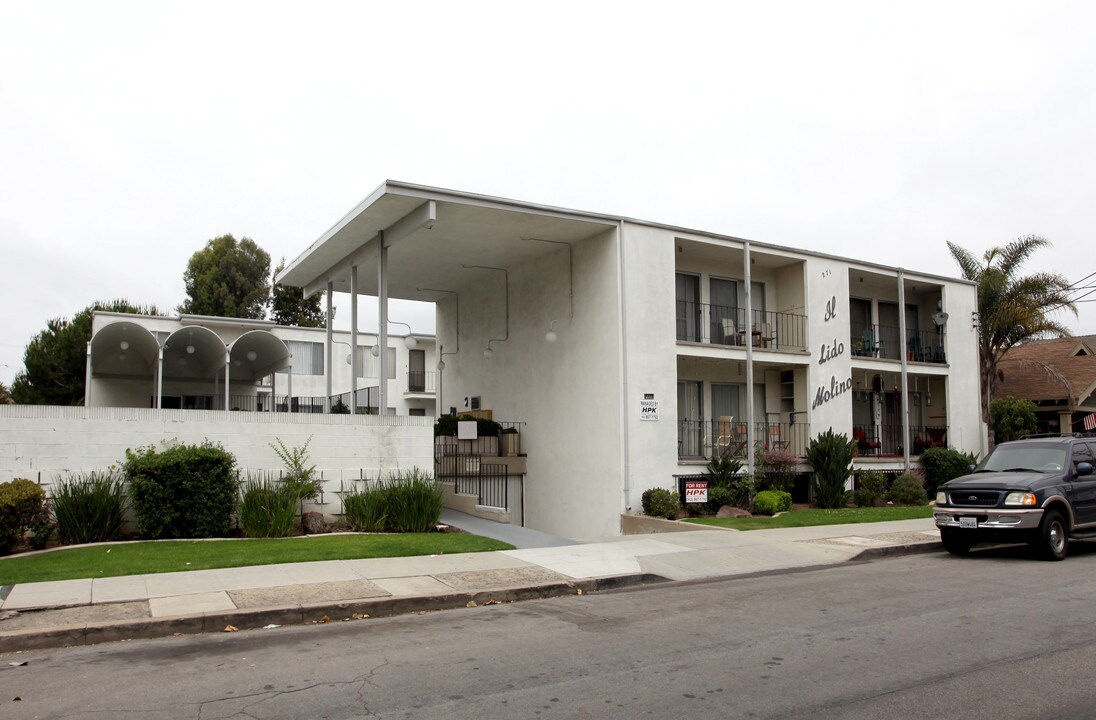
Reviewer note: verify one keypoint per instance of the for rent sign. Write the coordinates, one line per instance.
(696, 491)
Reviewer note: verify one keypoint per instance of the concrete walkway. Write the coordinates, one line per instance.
(73, 612)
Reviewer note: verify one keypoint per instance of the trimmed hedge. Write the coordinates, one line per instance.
(870, 486)
(660, 502)
(770, 502)
(187, 491)
(908, 490)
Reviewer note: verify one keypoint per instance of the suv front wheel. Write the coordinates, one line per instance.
(1052, 539)
(955, 542)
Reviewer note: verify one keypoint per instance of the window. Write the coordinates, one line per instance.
(369, 366)
(687, 295)
(307, 357)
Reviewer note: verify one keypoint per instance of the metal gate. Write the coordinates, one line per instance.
(470, 475)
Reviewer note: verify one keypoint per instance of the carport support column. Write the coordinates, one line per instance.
(160, 379)
(751, 422)
(354, 339)
(87, 377)
(905, 370)
(228, 384)
(330, 347)
(382, 325)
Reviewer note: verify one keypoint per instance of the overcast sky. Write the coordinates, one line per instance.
(132, 133)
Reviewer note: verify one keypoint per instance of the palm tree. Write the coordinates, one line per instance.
(1011, 309)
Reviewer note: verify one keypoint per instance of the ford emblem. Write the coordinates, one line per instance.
(973, 497)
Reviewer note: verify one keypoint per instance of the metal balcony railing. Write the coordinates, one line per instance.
(725, 325)
(421, 381)
(702, 439)
(884, 341)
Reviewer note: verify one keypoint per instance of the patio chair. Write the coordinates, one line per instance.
(915, 352)
(776, 440)
(730, 332)
(741, 440)
(869, 345)
(724, 440)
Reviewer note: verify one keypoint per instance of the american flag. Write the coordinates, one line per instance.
(1090, 422)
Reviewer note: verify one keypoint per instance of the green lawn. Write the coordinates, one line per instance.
(139, 558)
(814, 516)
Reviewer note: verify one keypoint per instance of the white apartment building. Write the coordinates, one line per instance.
(196, 362)
(632, 351)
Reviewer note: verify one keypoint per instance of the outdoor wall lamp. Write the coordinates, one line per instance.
(252, 355)
(410, 340)
(488, 353)
(124, 345)
(189, 349)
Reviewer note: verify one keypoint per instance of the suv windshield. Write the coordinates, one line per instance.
(1025, 456)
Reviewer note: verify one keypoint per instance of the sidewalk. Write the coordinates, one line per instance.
(77, 612)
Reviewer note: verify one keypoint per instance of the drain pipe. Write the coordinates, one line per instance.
(623, 362)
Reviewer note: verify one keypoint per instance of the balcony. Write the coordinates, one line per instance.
(701, 439)
(421, 381)
(888, 440)
(724, 325)
(884, 342)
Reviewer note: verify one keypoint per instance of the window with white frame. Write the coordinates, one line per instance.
(370, 367)
(307, 357)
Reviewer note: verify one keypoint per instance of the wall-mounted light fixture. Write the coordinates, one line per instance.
(252, 355)
(409, 340)
(124, 345)
(456, 298)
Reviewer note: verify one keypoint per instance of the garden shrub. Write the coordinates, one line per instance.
(1011, 419)
(339, 408)
(41, 527)
(720, 496)
(943, 464)
(770, 502)
(830, 455)
(299, 475)
(20, 501)
(90, 507)
(182, 492)
(365, 509)
(870, 486)
(777, 469)
(908, 489)
(267, 507)
(447, 425)
(660, 502)
(405, 502)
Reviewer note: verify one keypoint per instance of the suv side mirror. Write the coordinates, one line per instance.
(1084, 468)
(970, 468)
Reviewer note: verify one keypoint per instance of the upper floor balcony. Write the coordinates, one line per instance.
(726, 325)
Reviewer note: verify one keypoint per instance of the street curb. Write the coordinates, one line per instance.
(892, 550)
(311, 613)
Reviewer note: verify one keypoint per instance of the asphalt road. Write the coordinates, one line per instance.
(998, 635)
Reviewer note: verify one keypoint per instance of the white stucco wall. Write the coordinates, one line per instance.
(566, 392)
(829, 391)
(966, 431)
(44, 442)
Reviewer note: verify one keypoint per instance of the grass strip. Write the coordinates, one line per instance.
(139, 558)
(814, 516)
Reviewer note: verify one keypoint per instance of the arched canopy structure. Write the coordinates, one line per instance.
(256, 354)
(124, 349)
(193, 353)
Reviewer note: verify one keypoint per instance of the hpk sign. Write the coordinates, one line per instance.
(648, 409)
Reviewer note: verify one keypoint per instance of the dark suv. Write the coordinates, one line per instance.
(1038, 490)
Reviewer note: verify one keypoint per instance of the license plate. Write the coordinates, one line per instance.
(968, 522)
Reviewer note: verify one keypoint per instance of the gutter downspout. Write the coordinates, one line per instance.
(623, 366)
(354, 339)
(328, 367)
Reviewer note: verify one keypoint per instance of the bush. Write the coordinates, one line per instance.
(90, 507)
(300, 476)
(20, 501)
(770, 502)
(267, 507)
(41, 527)
(1011, 419)
(943, 464)
(405, 502)
(447, 425)
(365, 509)
(870, 486)
(339, 408)
(720, 496)
(183, 492)
(777, 469)
(830, 455)
(660, 502)
(908, 490)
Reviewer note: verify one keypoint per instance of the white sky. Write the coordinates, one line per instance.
(131, 133)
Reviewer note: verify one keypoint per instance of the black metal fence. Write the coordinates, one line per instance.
(472, 475)
(726, 325)
(704, 438)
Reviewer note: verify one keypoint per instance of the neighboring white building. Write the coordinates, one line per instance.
(632, 351)
(195, 362)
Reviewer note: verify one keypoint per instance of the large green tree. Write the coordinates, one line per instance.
(289, 306)
(55, 360)
(5, 395)
(228, 278)
(1011, 308)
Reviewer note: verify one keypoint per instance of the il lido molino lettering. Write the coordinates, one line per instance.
(829, 352)
(824, 395)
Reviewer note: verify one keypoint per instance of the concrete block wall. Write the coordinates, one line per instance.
(45, 443)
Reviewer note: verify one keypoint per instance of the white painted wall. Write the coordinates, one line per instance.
(566, 392)
(44, 442)
(829, 392)
(966, 431)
